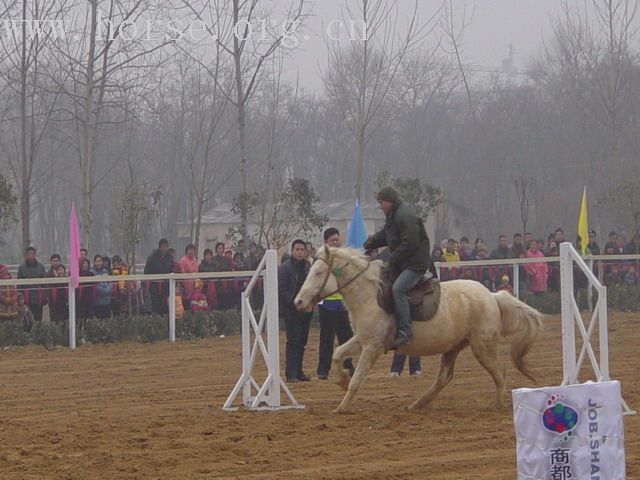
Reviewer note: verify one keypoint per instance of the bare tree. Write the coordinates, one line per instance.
(107, 57)
(26, 71)
(361, 77)
(234, 25)
(455, 36)
(206, 135)
(525, 186)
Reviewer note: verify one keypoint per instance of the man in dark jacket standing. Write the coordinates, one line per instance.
(408, 243)
(159, 262)
(35, 296)
(291, 276)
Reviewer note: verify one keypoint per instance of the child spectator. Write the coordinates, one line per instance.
(613, 276)
(630, 277)
(120, 290)
(24, 313)
(8, 296)
(504, 284)
(198, 298)
(179, 306)
(102, 299)
(59, 298)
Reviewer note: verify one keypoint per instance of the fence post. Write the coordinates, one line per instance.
(72, 316)
(172, 309)
(516, 280)
(568, 326)
(590, 288)
(273, 327)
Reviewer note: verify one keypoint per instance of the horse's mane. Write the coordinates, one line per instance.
(356, 258)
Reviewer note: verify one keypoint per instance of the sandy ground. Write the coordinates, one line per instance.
(153, 411)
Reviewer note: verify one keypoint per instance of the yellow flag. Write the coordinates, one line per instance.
(583, 227)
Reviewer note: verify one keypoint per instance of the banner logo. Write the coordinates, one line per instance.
(559, 418)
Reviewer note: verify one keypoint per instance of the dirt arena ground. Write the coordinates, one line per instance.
(152, 411)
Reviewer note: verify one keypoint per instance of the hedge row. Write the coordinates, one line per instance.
(137, 328)
(150, 328)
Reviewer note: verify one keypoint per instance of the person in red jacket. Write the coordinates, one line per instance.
(198, 298)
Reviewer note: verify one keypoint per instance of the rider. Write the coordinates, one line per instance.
(404, 234)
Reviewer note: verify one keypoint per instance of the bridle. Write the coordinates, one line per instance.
(337, 272)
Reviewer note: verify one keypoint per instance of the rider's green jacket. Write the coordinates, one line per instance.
(406, 238)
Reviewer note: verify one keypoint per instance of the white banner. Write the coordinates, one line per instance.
(569, 433)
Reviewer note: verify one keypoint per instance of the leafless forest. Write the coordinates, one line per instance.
(145, 132)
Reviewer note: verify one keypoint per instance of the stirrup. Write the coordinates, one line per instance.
(401, 339)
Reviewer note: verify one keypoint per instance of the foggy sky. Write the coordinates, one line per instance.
(495, 24)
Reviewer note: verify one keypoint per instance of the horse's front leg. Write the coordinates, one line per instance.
(366, 360)
(350, 348)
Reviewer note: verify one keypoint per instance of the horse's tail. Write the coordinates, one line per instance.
(521, 321)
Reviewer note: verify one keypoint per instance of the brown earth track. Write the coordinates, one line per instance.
(131, 411)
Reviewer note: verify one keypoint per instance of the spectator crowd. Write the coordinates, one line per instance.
(104, 299)
(535, 277)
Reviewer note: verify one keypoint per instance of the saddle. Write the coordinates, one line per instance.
(424, 298)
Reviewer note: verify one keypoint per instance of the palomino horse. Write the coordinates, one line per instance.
(469, 314)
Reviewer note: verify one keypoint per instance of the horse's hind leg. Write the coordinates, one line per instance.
(447, 362)
(486, 351)
(365, 362)
(350, 348)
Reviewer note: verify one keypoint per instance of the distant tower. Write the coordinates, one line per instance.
(508, 64)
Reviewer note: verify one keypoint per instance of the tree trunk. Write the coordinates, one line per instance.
(88, 136)
(360, 172)
(25, 184)
(240, 100)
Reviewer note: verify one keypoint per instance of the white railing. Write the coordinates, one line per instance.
(44, 283)
(267, 393)
(572, 318)
(599, 261)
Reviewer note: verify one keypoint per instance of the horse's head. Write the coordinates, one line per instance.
(321, 280)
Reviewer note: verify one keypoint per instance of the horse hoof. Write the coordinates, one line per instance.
(340, 411)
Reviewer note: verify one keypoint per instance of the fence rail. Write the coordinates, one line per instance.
(171, 278)
(598, 261)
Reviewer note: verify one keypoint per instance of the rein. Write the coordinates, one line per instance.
(337, 272)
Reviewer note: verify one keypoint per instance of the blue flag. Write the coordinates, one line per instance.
(357, 231)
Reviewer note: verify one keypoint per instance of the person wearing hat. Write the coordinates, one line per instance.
(405, 235)
(592, 246)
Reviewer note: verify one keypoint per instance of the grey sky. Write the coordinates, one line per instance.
(495, 25)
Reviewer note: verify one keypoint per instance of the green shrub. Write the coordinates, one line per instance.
(547, 303)
(50, 334)
(195, 325)
(102, 330)
(12, 333)
(228, 322)
(624, 297)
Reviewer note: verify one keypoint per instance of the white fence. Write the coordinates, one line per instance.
(171, 278)
(267, 395)
(572, 318)
(597, 261)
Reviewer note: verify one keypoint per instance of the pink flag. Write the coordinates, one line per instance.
(74, 247)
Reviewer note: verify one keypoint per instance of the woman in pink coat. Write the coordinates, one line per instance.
(188, 264)
(537, 273)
